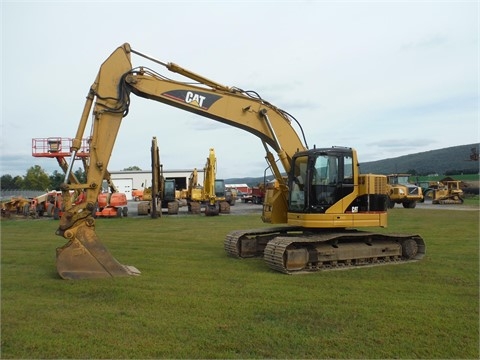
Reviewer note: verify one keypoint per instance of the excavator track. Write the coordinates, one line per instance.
(290, 250)
(252, 242)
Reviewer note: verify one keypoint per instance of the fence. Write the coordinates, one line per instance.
(7, 194)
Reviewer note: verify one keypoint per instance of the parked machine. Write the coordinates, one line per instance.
(212, 195)
(256, 195)
(167, 197)
(137, 194)
(317, 208)
(445, 192)
(162, 193)
(16, 205)
(50, 204)
(231, 195)
(401, 191)
(112, 204)
(144, 207)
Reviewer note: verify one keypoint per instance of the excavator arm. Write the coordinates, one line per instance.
(209, 172)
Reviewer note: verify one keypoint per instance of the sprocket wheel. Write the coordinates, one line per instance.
(409, 248)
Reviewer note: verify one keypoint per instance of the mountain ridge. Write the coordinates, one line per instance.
(454, 159)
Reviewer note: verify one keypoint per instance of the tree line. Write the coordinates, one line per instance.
(37, 179)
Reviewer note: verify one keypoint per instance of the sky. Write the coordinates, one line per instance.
(388, 78)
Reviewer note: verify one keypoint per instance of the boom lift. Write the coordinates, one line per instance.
(60, 148)
(323, 199)
(109, 204)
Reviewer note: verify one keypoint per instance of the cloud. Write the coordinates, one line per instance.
(431, 41)
(377, 76)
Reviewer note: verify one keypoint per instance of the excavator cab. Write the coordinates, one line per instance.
(327, 191)
(320, 178)
(220, 188)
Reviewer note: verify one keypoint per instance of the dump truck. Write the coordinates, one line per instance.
(401, 191)
(256, 194)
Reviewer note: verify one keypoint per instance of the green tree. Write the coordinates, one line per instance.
(7, 182)
(36, 179)
(132, 168)
(81, 175)
(56, 179)
(18, 181)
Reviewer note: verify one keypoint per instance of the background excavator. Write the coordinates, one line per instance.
(322, 201)
(212, 194)
(162, 193)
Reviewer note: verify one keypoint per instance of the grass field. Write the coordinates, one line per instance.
(192, 301)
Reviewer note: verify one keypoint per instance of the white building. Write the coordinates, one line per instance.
(126, 181)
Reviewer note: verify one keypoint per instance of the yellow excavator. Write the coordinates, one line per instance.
(162, 193)
(316, 210)
(211, 194)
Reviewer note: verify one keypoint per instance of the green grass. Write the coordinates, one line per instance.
(471, 200)
(192, 301)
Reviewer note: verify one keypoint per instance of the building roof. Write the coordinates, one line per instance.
(237, 185)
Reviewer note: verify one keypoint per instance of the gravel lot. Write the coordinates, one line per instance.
(428, 205)
(238, 208)
(249, 208)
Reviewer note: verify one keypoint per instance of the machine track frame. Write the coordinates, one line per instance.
(293, 250)
(452, 200)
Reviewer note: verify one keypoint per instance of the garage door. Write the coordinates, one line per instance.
(124, 186)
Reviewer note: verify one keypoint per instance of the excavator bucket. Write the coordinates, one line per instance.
(85, 257)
